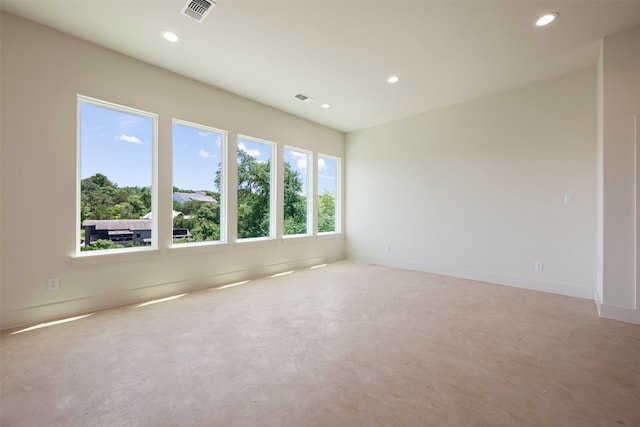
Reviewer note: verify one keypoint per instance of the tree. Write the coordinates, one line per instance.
(96, 198)
(253, 196)
(101, 244)
(190, 207)
(295, 204)
(326, 212)
(101, 198)
(207, 220)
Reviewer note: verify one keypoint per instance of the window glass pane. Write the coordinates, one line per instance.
(116, 176)
(327, 193)
(197, 182)
(254, 188)
(296, 191)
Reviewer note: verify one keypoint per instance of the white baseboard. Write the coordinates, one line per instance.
(584, 292)
(598, 300)
(62, 309)
(623, 314)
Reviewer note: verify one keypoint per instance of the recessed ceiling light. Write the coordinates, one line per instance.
(393, 79)
(170, 36)
(325, 106)
(546, 19)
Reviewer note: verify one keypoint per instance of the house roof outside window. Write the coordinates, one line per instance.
(119, 224)
(193, 197)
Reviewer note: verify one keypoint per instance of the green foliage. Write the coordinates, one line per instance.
(206, 231)
(190, 207)
(101, 244)
(326, 213)
(295, 204)
(253, 196)
(102, 199)
(202, 219)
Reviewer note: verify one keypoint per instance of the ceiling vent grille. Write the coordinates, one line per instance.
(302, 97)
(197, 9)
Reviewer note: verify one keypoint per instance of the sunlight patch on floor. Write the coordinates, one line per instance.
(157, 301)
(55, 322)
(282, 274)
(231, 285)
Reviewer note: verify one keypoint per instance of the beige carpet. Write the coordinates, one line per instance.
(343, 345)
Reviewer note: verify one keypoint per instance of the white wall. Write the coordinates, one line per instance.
(619, 176)
(477, 190)
(42, 72)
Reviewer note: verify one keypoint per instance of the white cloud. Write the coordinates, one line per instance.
(322, 165)
(252, 153)
(301, 159)
(204, 153)
(204, 134)
(128, 122)
(129, 138)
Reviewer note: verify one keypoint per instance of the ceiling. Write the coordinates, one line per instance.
(341, 52)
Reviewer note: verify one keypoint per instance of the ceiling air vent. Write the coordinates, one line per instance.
(302, 97)
(197, 9)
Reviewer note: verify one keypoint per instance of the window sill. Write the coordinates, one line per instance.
(297, 238)
(330, 235)
(255, 242)
(197, 248)
(115, 256)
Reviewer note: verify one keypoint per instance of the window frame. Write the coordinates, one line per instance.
(273, 188)
(309, 185)
(223, 183)
(80, 100)
(337, 196)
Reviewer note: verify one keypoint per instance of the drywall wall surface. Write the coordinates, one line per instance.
(42, 73)
(619, 172)
(477, 190)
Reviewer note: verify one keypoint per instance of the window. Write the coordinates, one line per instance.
(116, 174)
(296, 191)
(328, 194)
(255, 188)
(198, 182)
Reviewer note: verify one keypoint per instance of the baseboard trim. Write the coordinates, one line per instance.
(623, 314)
(613, 312)
(30, 315)
(597, 298)
(584, 292)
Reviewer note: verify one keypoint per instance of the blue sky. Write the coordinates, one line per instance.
(298, 160)
(119, 145)
(196, 157)
(116, 144)
(326, 169)
(327, 175)
(260, 151)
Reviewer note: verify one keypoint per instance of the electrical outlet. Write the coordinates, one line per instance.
(568, 197)
(387, 248)
(53, 284)
(538, 266)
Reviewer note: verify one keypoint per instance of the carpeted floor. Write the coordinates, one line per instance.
(343, 345)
